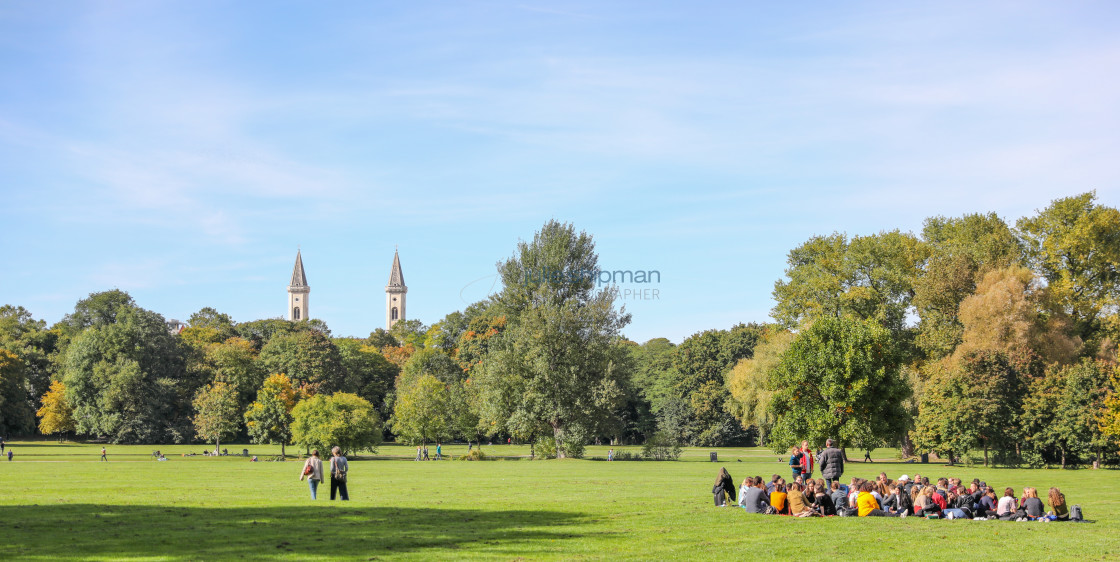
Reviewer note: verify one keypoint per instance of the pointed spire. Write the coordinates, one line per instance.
(299, 278)
(396, 276)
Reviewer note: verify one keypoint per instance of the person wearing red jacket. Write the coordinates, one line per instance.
(806, 460)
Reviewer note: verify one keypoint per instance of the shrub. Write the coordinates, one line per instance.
(623, 455)
(661, 447)
(474, 455)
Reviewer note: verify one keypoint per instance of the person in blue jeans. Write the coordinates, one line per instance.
(313, 471)
(339, 468)
(795, 463)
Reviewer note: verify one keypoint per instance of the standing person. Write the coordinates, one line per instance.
(795, 462)
(724, 488)
(439, 451)
(103, 457)
(313, 471)
(1, 444)
(806, 460)
(867, 456)
(426, 453)
(831, 462)
(418, 452)
(610, 455)
(9, 455)
(339, 468)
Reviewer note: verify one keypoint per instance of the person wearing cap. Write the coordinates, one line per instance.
(904, 484)
(831, 461)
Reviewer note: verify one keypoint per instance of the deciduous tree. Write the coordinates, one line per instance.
(216, 412)
(838, 379)
(269, 419)
(342, 419)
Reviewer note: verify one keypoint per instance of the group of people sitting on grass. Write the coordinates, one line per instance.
(947, 498)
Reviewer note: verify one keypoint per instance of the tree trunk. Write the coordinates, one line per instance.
(558, 436)
(950, 458)
(217, 444)
(1062, 449)
(283, 455)
(985, 454)
(844, 452)
(907, 445)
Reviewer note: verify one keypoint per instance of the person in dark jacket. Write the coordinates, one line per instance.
(831, 462)
(724, 486)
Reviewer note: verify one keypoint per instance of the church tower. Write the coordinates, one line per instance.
(395, 294)
(298, 291)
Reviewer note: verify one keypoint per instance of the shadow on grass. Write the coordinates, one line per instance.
(121, 531)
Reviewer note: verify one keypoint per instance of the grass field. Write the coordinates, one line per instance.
(58, 501)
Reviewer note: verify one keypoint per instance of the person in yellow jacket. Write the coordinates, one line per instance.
(869, 507)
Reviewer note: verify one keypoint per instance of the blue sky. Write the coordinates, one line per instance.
(182, 151)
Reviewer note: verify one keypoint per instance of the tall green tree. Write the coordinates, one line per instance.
(972, 401)
(269, 418)
(342, 419)
(1075, 244)
(553, 366)
(367, 373)
(308, 357)
(422, 412)
(126, 380)
(216, 412)
(962, 250)
(870, 277)
(33, 344)
(749, 382)
(1060, 412)
(838, 379)
(16, 415)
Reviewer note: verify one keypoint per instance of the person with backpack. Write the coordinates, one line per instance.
(339, 468)
(1058, 504)
(724, 488)
(313, 471)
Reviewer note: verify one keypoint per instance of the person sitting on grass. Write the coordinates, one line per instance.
(900, 500)
(1007, 505)
(1031, 506)
(747, 484)
(986, 507)
(930, 505)
(853, 490)
(838, 496)
(773, 481)
(798, 503)
(753, 498)
(823, 501)
(867, 505)
(1058, 504)
(778, 499)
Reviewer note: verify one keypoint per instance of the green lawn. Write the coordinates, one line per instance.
(59, 501)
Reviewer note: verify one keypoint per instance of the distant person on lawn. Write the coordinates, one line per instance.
(103, 457)
(315, 474)
(339, 468)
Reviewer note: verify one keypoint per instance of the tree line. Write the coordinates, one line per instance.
(972, 336)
